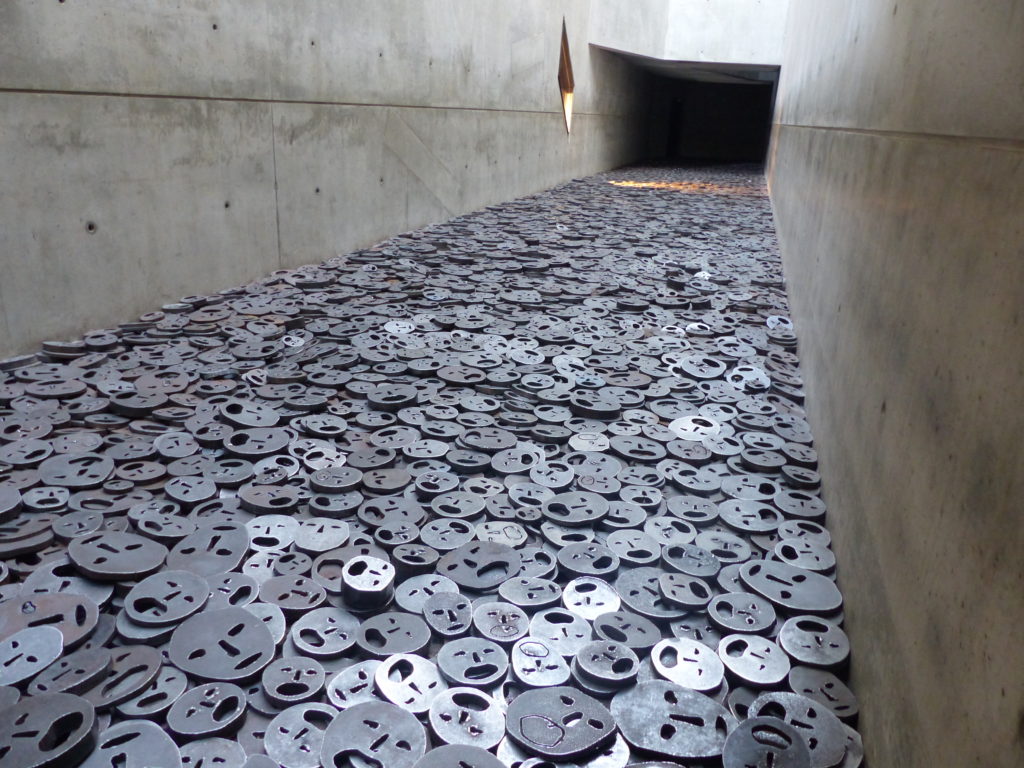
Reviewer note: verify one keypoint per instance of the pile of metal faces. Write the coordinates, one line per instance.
(533, 486)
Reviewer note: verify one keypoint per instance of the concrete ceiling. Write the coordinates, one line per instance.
(704, 72)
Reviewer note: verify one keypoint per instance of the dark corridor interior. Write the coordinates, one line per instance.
(710, 121)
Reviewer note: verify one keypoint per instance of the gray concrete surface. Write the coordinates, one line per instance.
(720, 32)
(146, 119)
(898, 185)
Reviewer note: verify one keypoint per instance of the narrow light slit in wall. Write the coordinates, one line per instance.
(565, 81)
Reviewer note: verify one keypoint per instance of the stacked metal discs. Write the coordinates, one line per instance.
(532, 486)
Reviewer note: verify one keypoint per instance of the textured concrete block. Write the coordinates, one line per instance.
(113, 206)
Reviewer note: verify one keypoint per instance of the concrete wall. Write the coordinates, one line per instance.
(898, 186)
(722, 31)
(154, 150)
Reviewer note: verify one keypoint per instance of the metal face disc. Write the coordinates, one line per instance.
(294, 738)
(134, 744)
(48, 730)
(226, 645)
(376, 733)
(667, 719)
(765, 742)
(559, 723)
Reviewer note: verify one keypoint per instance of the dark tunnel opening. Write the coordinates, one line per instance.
(696, 122)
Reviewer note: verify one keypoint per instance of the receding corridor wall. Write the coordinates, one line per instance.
(898, 183)
(153, 150)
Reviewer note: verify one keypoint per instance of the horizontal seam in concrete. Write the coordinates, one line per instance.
(249, 100)
(1012, 145)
